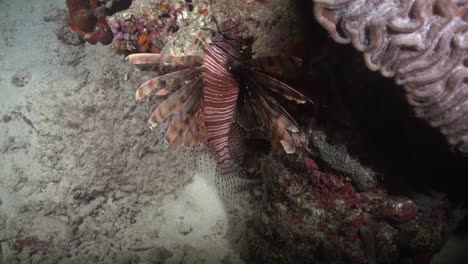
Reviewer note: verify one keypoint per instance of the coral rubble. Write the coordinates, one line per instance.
(422, 44)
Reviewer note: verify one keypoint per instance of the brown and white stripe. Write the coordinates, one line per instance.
(220, 93)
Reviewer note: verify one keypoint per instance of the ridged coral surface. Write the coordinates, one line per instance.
(421, 43)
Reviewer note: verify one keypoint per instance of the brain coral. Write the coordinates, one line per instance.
(421, 43)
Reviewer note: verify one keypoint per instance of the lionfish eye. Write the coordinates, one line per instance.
(226, 36)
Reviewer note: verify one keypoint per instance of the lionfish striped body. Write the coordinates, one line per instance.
(220, 94)
(213, 94)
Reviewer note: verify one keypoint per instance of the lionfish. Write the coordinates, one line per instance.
(218, 94)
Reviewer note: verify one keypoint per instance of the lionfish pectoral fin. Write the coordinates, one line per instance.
(147, 87)
(173, 133)
(247, 116)
(166, 89)
(287, 147)
(280, 123)
(165, 60)
(195, 129)
(174, 102)
(276, 65)
(190, 99)
(180, 126)
(281, 88)
(282, 139)
(278, 114)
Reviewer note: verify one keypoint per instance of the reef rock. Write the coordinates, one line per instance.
(310, 216)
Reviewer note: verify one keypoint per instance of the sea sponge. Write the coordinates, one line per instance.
(421, 43)
(87, 18)
(84, 20)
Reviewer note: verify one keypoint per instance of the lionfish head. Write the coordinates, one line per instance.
(228, 30)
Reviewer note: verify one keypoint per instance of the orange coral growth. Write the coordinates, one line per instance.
(204, 12)
(144, 42)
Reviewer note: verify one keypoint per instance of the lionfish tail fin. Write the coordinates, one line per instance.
(236, 143)
(231, 180)
(233, 186)
(200, 158)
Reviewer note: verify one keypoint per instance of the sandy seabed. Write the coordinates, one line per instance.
(82, 177)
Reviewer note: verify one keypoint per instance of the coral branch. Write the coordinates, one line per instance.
(421, 43)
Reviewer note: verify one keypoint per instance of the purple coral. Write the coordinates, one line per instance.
(421, 43)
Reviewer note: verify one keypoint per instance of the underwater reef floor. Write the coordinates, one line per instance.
(82, 177)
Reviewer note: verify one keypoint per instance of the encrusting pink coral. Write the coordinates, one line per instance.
(421, 43)
(146, 32)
